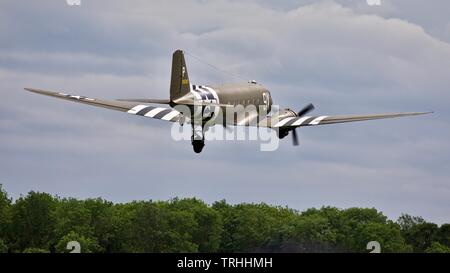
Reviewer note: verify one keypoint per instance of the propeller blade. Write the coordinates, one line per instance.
(294, 137)
(305, 110)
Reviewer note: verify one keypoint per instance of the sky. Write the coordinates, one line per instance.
(344, 56)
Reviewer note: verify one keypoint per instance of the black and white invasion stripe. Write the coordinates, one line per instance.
(155, 112)
(300, 121)
(75, 97)
(204, 93)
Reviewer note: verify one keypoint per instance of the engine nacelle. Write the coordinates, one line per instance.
(282, 114)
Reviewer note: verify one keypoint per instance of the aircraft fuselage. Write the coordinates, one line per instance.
(227, 95)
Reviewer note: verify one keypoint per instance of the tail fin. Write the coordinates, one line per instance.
(179, 83)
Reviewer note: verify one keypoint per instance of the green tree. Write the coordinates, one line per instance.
(387, 234)
(208, 223)
(250, 227)
(3, 247)
(101, 221)
(407, 221)
(123, 217)
(91, 218)
(5, 215)
(87, 245)
(444, 235)
(34, 221)
(417, 232)
(39, 222)
(178, 234)
(421, 236)
(353, 228)
(72, 215)
(436, 247)
(315, 231)
(35, 250)
(324, 227)
(157, 229)
(356, 226)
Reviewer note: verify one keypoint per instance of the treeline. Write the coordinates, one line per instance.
(40, 222)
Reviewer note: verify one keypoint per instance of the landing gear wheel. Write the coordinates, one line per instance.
(198, 145)
(197, 139)
(282, 133)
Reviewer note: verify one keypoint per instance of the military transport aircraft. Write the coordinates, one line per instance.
(199, 106)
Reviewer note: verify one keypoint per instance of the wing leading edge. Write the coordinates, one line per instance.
(162, 113)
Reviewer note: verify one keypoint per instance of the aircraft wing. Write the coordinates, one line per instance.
(162, 113)
(293, 122)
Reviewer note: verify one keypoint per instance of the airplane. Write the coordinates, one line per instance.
(203, 106)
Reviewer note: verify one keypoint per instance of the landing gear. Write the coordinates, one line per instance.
(282, 133)
(197, 139)
(198, 145)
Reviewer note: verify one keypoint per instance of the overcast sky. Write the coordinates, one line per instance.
(344, 56)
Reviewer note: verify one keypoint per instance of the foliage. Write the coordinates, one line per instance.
(5, 212)
(436, 247)
(3, 247)
(39, 222)
(420, 234)
(87, 245)
(33, 221)
(35, 250)
(443, 235)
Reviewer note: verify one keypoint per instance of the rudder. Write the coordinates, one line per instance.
(179, 83)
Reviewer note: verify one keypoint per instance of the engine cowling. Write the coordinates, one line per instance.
(282, 114)
(285, 113)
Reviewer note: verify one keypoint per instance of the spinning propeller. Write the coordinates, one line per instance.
(308, 108)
